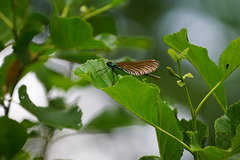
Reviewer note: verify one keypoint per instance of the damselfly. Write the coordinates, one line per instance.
(144, 67)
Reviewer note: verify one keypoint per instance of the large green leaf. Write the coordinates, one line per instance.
(230, 58)
(236, 142)
(76, 56)
(74, 32)
(56, 79)
(140, 98)
(233, 113)
(222, 128)
(212, 153)
(53, 116)
(228, 131)
(102, 24)
(12, 137)
(199, 58)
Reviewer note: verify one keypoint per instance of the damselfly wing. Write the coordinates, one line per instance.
(139, 67)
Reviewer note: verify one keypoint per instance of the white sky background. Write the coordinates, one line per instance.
(126, 143)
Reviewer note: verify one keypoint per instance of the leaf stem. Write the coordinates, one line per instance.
(193, 114)
(66, 8)
(24, 18)
(6, 21)
(98, 11)
(185, 145)
(14, 29)
(206, 97)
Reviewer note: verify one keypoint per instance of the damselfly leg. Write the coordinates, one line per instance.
(106, 69)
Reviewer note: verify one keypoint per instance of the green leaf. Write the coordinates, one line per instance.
(169, 148)
(28, 124)
(103, 24)
(233, 113)
(21, 156)
(230, 59)
(94, 68)
(181, 83)
(52, 116)
(173, 54)
(109, 40)
(194, 144)
(56, 79)
(199, 58)
(32, 27)
(188, 75)
(150, 158)
(172, 73)
(200, 136)
(12, 137)
(110, 119)
(74, 32)
(178, 57)
(52, 79)
(140, 98)
(212, 153)
(236, 142)
(21, 46)
(183, 54)
(222, 128)
(228, 129)
(76, 56)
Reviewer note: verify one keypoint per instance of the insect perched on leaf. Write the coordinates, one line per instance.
(144, 67)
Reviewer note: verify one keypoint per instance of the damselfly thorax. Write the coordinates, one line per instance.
(137, 68)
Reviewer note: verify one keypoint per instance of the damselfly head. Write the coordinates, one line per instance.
(109, 64)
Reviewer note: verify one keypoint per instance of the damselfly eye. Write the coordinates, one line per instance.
(109, 64)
